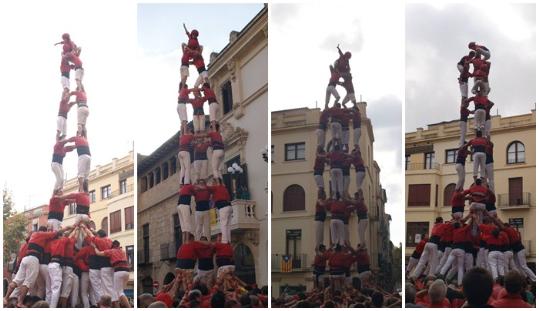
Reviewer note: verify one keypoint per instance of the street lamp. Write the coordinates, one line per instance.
(264, 152)
(235, 170)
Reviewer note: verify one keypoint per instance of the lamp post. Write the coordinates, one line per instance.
(235, 170)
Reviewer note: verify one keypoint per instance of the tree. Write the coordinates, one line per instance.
(7, 202)
(14, 227)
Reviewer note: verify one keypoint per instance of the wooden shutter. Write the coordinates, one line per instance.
(419, 195)
(515, 191)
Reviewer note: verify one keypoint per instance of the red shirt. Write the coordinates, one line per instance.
(506, 300)
(319, 163)
(185, 141)
(357, 160)
(209, 93)
(478, 192)
(186, 190)
(64, 107)
(223, 250)
(203, 250)
(320, 260)
(117, 256)
(74, 59)
(360, 206)
(340, 260)
(338, 207)
(480, 102)
(499, 241)
(70, 248)
(198, 102)
(420, 246)
(334, 78)
(324, 117)
(457, 199)
(479, 144)
(219, 193)
(64, 66)
(202, 147)
(336, 159)
(60, 150)
(443, 304)
(41, 238)
(183, 95)
(462, 234)
(57, 204)
(68, 46)
(102, 244)
(58, 246)
(202, 193)
(81, 259)
(80, 96)
(320, 207)
(79, 141)
(486, 231)
(513, 234)
(437, 230)
(81, 198)
(192, 43)
(215, 137)
(186, 251)
(362, 258)
(22, 252)
(447, 232)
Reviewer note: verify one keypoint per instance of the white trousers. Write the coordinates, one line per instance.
(443, 259)
(95, 282)
(318, 233)
(496, 261)
(488, 126)
(337, 231)
(82, 115)
(201, 169)
(523, 266)
(120, 282)
(217, 158)
(61, 125)
(65, 82)
(184, 72)
(202, 224)
(199, 123)
(463, 129)
(107, 282)
(463, 89)
(54, 223)
(479, 159)
(85, 289)
(457, 255)
(362, 230)
(186, 220)
(56, 275)
(185, 167)
(182, 111)
(357, 135)
(225, 220)
(84, 164)
(412, 263)
(44, 274)
(349, 97)
(67, 281)
(320, 138)
(360, 176)
(489, 170)
(479, 117)
(336, 130)
(331, 90)
(482, 258)
(430, 257)
(509, 263)
(201, 77)
(74, 297)
(58, 170)
(319, 180)
(337, 181)
(346, 184)
(461, 174)
(214, 108)
(345, 137)
(79, 74)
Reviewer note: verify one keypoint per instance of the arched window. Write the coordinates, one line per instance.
(294, 199)
(245, 263)
(105, 225)
(448, 193)
(515, 152)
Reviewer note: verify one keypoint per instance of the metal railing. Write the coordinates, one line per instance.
(299, 263)
(522, 199)
(422, 166)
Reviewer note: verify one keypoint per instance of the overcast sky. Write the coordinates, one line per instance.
(159, 36)
(31, 89)
(437, 37)
(303, 40)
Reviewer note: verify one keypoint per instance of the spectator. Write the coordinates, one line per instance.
(477, 285)
(105, 302)
(40, 304)
(145, 300)
(157, 304)
(409, 296)
(437, 293)
(511, 297)
(377, 299)
(218, 300)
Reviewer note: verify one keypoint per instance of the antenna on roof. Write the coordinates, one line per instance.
(360, 98)
(315, 104)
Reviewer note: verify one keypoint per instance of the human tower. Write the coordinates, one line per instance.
(340, 256)
(199, 260)
(70, 266)
(480, 238)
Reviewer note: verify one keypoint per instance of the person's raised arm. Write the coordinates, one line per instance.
(186, 31)
(339, 49)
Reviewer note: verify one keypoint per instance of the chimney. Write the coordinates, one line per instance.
(363, 109)
(233, 36)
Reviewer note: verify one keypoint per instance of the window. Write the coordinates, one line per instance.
(34, 227)
(293, 238)
(115, 222)
(515, 191)
(157, 175)
(448, 193)
(164, 168)
(146, 242)
(123, 186)
(106, 192)
(515, 153)
(414, 232)
(173, 166)
(130, 252)
(105, 225)
(72, 208)
(295, 151)
(294, 199)
(150, 180)
(92, 196)
(451, 155)
(177, 230)
(429, 160)
(226, 93)
(143, 184)
(406, 161)
(129, 224)
(419, 195)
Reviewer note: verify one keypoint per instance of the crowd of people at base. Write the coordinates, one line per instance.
(350, 297)
(478, 290)
(340, 256)
(227, 291)
(69, 266)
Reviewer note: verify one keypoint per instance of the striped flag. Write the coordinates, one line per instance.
(286, 263)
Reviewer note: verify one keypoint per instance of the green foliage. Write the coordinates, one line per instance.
(14, 227)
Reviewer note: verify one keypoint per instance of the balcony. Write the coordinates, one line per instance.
(167, 251)
(508, 201)
(243, 216)
(299, 263)
(421, 166)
